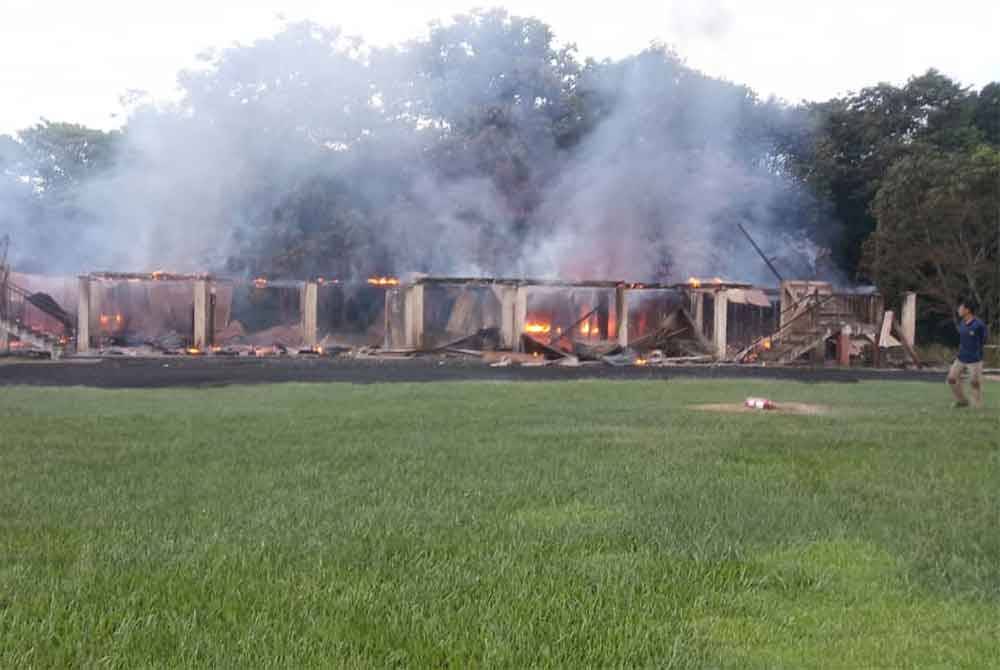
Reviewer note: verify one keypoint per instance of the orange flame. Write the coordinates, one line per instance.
(538, 328)
(260, 282)
(193, 351)
(695, 283)
(383, 281)
(641, 362)
(768, 344)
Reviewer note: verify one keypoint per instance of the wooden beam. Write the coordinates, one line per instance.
(83, 316)
(885, 335)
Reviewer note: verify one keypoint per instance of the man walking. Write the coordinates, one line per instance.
(972, 335)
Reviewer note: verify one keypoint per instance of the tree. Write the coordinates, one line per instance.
(856, 139)
(938, 227)
(987, 113)
(60, 156)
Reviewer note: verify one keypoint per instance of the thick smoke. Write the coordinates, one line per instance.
(657, 190)
(308, 154)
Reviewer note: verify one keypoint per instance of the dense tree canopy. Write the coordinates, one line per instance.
(489, 147)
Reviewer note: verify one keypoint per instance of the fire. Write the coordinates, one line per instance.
(383, 281)
(768, 344)
(641, 362)
(193, 351)
(538, 328)
(260, 282)
(694, 282)
(118, 319)
(105, 320)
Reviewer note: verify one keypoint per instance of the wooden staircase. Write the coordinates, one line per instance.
(31, 339)
(13, 300)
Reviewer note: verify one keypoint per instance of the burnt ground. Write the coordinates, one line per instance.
(180, 372)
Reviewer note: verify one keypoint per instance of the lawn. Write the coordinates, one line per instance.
(590, 524)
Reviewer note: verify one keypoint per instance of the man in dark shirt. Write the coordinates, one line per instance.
(972, 335)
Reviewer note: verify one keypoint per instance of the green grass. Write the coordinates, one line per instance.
(498, 525)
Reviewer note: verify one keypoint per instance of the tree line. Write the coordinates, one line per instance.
(487, 146)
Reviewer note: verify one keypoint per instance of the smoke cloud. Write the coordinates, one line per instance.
(483, 150)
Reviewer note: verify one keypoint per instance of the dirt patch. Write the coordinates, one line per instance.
(799, 408)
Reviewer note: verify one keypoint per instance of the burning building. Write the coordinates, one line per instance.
(711, 319)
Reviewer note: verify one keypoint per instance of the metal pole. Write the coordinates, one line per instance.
(759, 251)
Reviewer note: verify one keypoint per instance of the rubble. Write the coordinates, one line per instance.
(500, 322)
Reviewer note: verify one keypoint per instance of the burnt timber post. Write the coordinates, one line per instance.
(621, 315)
(909, 324)
(202, 316)
(720, 331)
(413, 316)
(83, 316)
(310, 314)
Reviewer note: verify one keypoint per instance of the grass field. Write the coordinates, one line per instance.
(589, 524)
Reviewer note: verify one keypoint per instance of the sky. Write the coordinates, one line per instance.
(68, 60)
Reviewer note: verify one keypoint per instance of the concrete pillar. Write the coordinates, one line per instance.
(698, 311)
(395, 318)
(721, 330)
(909, 324)
(387, 319)
(507, 296)
(83, 316)
(621, 315)
(414, 316)
(310, 314)
(202, 316)
(520, 316)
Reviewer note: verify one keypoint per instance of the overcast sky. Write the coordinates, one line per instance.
(71, 60)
